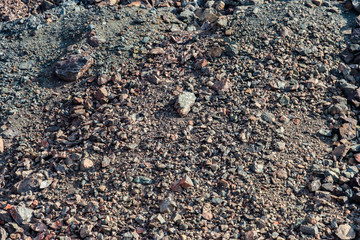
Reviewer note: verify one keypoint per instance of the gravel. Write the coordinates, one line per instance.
(169, 120)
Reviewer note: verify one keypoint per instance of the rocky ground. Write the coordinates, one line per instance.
(179, 120)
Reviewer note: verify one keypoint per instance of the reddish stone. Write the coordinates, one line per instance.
(73, 67)
(201, 63)
(101, 94)
(223, 85)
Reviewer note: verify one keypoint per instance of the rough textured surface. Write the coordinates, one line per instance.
(266, 145)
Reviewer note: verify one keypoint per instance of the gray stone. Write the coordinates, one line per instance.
(85, 230)
(257, 168)
(186, 16)
(184, 103)
(21, 214)
(168, 205)
(325, 132)
(143, 180)
(232, 50)
(268, 117)
(356, 5)
(314, 185)
(309, 230)
(345, 232)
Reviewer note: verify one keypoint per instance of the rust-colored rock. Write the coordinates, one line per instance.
(73, 67)
(101, 94)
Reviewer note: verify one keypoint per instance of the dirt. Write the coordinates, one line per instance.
(197, 120)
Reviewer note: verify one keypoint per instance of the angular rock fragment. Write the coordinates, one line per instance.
(347, 131)
(96, 41)
(345, 232)
(101, 94)
(340, 152)
(223, 85)
(167, 205)
(356, 5)
(73, 67)
(314, 185)
(184, 103)
(21, 214)
(26, 185)
(185, 182)
(309, 229)
(206, 212)
(85, 230)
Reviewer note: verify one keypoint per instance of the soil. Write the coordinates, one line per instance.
(179, 120)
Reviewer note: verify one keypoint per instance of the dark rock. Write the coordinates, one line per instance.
(73, 67)
(309, 229)
(26, 185)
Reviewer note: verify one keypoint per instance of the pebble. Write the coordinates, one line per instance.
(280, 146)
(309, 229)
(314, 185)
(143, 180)
(268, 117)
(96, 41)
(184, 103)
(86, 164)
(345, 232)
(257, 168)
(168, 205)
(101, 94)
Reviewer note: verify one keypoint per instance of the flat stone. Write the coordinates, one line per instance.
(268, 117)
(101, 93)
(73, 67)
(339, 152)
(347, 131)
(26, 185)
(21, 214)
(184, 103)
(309, 229)
(96, 41)
(143, 180)
(206, 212)
(345, 232)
